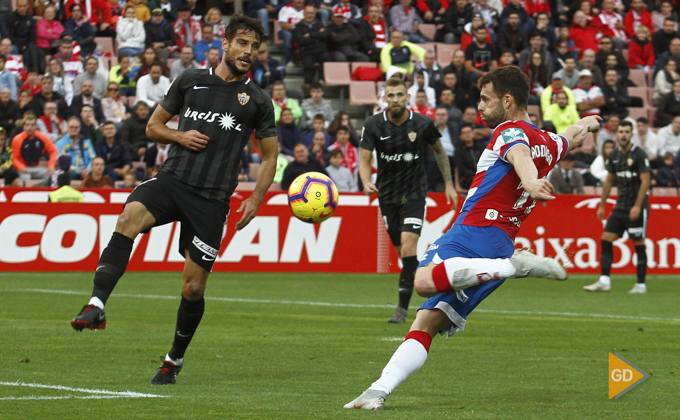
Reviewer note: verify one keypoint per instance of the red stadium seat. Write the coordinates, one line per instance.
(638, 77)
(665, 192)
(362, 93)
(336, 74)
(428, 30)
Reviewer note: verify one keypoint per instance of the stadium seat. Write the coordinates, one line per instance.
(429, 46)
(614, 192)
(336, 74)
(590, 144)
(428, 30)
(588, 190)
(362, 93)
(636, 113)
(131, 101)
(625, 54)
(665, 192)
(445, 53)
(137, 164)
(33, 182)
(113, 61)
(638, 77)
(76, 183)
(105, 45)
(640, 92)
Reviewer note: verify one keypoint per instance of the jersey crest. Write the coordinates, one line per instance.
(412, 136)
(243, 98)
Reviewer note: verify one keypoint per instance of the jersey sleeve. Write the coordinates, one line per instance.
(174, 98)
(506, 137)
(643, 162)
(609, 164)
(431, 132)
(367, 136)
(266, 126)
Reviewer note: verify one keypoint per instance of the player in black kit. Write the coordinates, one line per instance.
(399, 137)
(629, 165)
(219, 108)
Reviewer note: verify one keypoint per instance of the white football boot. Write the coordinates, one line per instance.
(638, 288)
(369, 400)
(529, 264)
(601, 285)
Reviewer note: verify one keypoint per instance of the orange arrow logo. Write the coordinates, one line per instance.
(623, 376)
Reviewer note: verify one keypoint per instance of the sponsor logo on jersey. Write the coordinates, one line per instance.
(513, 134)
(398, 157)
(627, 174)
(226, 120)
(243, 98)
(211, 253)
(541, 151)
(412, 136)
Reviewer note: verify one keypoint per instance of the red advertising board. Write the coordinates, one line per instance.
(40, 236)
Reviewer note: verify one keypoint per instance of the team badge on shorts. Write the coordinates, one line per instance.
(412, 136)
(243, 98)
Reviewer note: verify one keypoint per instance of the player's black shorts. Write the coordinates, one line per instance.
(407, 217)
(619, 222)
(202, 220)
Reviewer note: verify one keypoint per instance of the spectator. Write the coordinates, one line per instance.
(7, 79)
(113, 107)
(65, 193)
(468, 152)
(447, 101)
(24, 102)
(405, 20)
(480, 132)
(32, 84)
(21, 26)
(212, 58)
(597, 173)
(435, 74)
(86, 97)
(564, 48)
(457, 67)
(281, 101)
(157, 154)
(512, 36)
(661, 40)
(79, 28)
(398, 53)
(168, 9)
(664, 12)
(612, 24)
(79, 148)
(89, 126)
(9, 110)
(666, 175)
(549, 95)
(115, 154)
(517, 7)
(316, 104)
(432, 11)
(98, 13)
(588, 97)
(341, 176)
(60, 84)
(133, 133)
(47, 94)
(318, 125)
(637, 17)
(48, 31)
(564, 178)
(350, 11)
(186, 61)
(350, 158)
(669, 106)
(310, 35)
(152, 87)
(342, 119)
(616, 94)
(569, 73)
(123, 75)
(608, 132)
(535, 45)
(449, 137)
(97, 178)
(421, 106)
(640, 51)
(302, 164)
(547, 31)
(14, 63)
(219, 23)
(116, 13)
(267, 70)
(142, 12)
(373, 33)
(130, 180)
(647, 140)
(343, 40)
(455, 20)
(480, 56)
(561, 114)
(668, 138)
(289, 16)
(149, 59)
(263, 10)
(538, 75)
(197, 11)
(422, 83)
(588, 63)
(5, 152)
(489, 14)
(289, 134)
(28, 147)
(72, 64)
(99, 82)
(11, 178)
(50, 124)
(583, 33)
(160, 35)
(187, 29)
(318, 148)
(208, 42)
(606, 49)
(673, 52)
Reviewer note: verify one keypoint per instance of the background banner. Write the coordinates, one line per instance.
(39, 236)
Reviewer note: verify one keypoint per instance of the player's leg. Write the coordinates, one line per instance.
(112, 264)
(392, 221)
(409, 264)
(613, 230)
(638, 233)
(406, 360)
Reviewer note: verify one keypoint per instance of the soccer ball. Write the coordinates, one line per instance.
(312, 197)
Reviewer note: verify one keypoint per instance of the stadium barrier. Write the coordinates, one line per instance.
(39, 236)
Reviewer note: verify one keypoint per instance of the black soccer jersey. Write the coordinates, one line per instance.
(401, 154)
(627, 169)
(227, 113)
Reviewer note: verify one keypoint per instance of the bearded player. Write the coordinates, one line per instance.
(474, 257)
(219, 109)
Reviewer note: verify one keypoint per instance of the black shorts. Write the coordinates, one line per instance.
(619, 222)
(407, 217)
(202, 220)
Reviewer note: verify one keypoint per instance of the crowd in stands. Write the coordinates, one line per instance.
(63, 93)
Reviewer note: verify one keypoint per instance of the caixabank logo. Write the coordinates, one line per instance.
(623, 376)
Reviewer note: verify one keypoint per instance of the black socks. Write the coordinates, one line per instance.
(112, 265)
(189, 316)
(408, 273)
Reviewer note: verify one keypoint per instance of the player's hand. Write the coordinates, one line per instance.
(591, 123)
(600, 213)
(451, 196)
(634, 213)
(370, 188)
(540, 190)
(249, 208)
(193, 140)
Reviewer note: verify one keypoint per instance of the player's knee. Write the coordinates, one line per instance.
(423, 284)
(193, 290)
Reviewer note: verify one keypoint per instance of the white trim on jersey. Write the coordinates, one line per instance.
(385, 115)
(210, 71)
(247, 80)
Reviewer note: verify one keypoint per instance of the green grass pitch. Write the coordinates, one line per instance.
(299, 346)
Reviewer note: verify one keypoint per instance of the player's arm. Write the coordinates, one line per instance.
(158, 131)
(645, 180)
(269, 146)
(444, 167)
(365, 171)
(576, 133)
(606, 189)
(520, 158)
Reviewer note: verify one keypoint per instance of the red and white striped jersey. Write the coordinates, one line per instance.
(289, 15)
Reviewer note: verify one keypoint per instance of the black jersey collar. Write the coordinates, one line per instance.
(245, 81)
(410, 116)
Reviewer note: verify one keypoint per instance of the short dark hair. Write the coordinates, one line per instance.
(534, 34)
(319, 117)
(242, 23)
(64, 178)
(108, 122)
(509, 79)
(342, 128)
(642, 120)
(336, 152)
(671, 19)
(315, 85)
(395, 82)
(3, 58)
(626, 123)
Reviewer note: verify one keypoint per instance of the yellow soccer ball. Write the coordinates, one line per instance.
(312, 197)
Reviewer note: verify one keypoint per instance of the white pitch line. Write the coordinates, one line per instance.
(64, 397)
(356, 305)
(118, 394)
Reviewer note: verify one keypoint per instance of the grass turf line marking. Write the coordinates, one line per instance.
(354, 305)
(95, 393)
